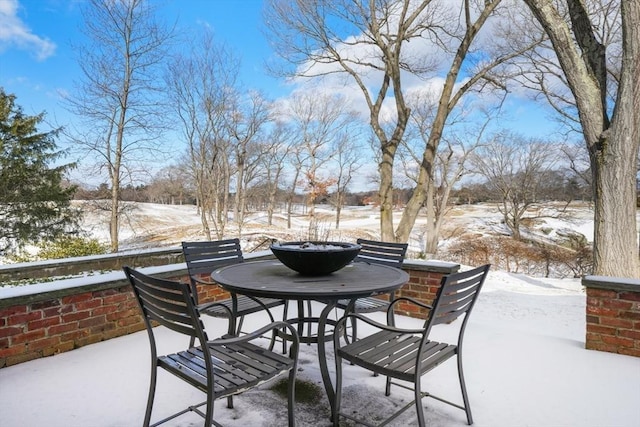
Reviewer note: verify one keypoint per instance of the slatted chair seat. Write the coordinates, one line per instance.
(395, 354)
(238, 367)
(220, 368)
(408, 354)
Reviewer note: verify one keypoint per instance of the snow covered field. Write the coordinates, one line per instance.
(149, 225)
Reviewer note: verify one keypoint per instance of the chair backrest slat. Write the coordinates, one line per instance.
(457, 295)
(204, 257)
(385, 253)
(167, 302)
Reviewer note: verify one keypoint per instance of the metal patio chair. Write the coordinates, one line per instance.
(202, 259)
(408, 354)
(385, 253)
(220, 367)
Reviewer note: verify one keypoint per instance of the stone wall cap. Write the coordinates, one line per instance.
(430, 265)
(45, 290)
(609, 282)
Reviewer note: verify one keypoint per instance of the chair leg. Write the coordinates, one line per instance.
(208, 419)
(284, 318)
(309, 324)
(230, 402)
(152, 392)
(387, 389)
(418, 396)
(239, 328)
(463, 388)
(338, 391)
(291, 400)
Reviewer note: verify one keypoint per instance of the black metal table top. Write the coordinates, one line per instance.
(273, 279)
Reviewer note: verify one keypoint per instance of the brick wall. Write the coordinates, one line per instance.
(613, 315)
(47, 323)
(47, 327)
(423, 286)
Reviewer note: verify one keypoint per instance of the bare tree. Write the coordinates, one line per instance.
(118, 94)
(247, 119)
(348, 159)
(597, 44)
(198, 86)
(276, 150)
(516, 169)
(378, 58)
(317, 121)
(450, 162)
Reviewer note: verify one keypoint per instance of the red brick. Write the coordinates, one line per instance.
(72, 317)
(630, 296)
(28, 336)
(630, 315)
(13, 350)
(595, 302)
(21, 358)
(24, 318)
(602, 293)
(89, 339)
(593, 319)
(597, 329)
(43, 323)
(635, 335)
(601, 347)
(74, 335)
(10, 311)
(105, 309)
(601, 311)
(60, 329)
(617, 304)
(616, 322)
(52, 311)
(86, 305)
(43, 343)
(92, 321)
(113, 299)
(128, 321)
(10, 331)
(64, 346)
(619, 341)
(123, 314)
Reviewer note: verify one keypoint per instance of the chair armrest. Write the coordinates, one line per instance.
(378, 325)
(411, 300)
(207, 305)
(391, 320)
(228, 339)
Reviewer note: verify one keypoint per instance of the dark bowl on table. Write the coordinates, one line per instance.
(315, 258)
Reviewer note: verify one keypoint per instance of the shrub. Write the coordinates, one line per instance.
(71, 246)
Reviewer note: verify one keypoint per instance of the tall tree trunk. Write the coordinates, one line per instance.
(613, 147)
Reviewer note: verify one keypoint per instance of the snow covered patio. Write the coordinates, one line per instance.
(525, 365)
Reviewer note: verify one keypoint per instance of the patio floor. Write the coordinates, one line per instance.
(524, 359)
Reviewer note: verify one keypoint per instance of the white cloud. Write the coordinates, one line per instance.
(14, 33)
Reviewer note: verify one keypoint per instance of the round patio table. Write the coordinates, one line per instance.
(273, 279)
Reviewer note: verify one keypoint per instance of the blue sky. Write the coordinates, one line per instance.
(37, 62)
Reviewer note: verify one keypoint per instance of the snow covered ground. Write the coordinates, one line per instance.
(524, 360)
(524, 355)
